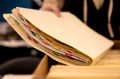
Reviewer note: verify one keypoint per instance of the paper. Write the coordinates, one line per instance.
(19, 76)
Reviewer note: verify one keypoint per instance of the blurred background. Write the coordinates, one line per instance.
(16, 56)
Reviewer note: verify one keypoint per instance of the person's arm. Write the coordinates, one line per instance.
(53, 5)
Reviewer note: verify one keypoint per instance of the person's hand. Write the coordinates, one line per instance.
(50, 7)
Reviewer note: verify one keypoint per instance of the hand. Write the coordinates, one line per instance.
(50, 7)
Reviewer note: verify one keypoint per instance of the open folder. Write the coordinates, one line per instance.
(66, 39)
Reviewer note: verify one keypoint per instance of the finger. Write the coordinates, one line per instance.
(57, 12)
(44, 9)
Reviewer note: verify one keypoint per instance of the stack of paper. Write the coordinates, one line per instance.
(107, 68)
